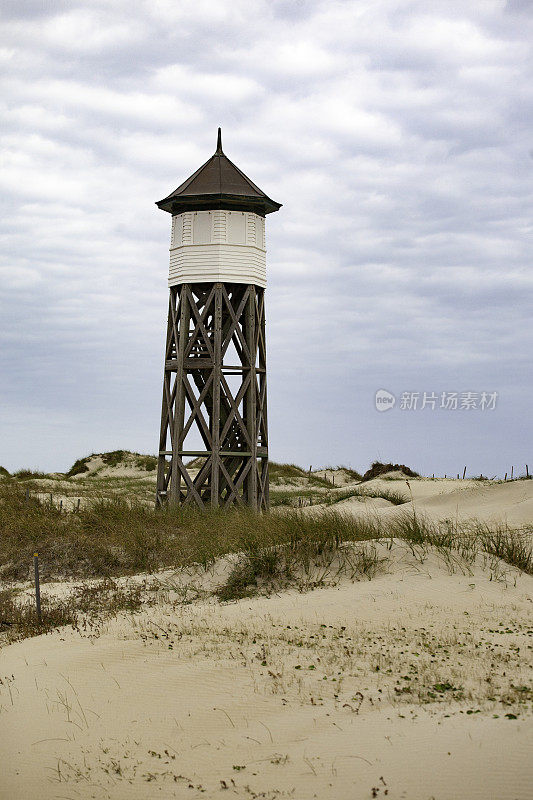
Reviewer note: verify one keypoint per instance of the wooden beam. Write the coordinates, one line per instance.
(182, 335)
(215, 408)
(250, 402)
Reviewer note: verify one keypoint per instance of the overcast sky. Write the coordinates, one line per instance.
(396, 134)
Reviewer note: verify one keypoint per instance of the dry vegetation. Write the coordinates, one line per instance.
(84, 609)
(115, 536)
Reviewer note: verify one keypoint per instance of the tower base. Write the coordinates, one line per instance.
(214, 391)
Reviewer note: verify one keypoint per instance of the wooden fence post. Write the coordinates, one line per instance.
(37, 587)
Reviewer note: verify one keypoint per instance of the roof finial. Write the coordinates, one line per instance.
(219, 142)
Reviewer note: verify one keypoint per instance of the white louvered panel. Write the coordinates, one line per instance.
(176, 238)
(187, 228)
(219, 226)
(250, 229)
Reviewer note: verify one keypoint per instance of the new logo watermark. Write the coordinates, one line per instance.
(384, 400)
(447, 401)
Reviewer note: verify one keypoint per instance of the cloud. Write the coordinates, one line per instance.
(395, 134)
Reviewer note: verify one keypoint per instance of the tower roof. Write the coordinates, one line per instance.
(218, 184)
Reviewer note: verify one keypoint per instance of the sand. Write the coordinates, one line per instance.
(338, 476)
(396, 687)
(509, 503)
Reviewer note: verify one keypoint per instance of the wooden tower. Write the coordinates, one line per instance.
(214, 387)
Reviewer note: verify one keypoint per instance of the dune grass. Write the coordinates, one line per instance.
(286, 497)
(291, 474)
(111, 537)
(351, 473)
(29, 474)
(115, 537)
(393, 496)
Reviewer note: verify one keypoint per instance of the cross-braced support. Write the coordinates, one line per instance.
(215, 385)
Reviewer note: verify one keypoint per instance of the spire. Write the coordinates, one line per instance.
(219, 143)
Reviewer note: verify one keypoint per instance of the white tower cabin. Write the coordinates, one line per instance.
(214, 388)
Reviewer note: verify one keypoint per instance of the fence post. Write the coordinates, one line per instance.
(27, 496)
(37, 587)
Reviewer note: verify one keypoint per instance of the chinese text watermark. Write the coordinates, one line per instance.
(448, 401)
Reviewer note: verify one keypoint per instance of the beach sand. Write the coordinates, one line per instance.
(415, 684)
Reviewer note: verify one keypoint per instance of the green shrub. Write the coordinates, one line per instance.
(378, 468)
(147, 463)
(114, 458)
(79, 467)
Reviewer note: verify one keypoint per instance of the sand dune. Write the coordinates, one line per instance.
(439, 499)
(394, 687)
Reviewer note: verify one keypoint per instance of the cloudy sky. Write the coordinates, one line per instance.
(397, 135)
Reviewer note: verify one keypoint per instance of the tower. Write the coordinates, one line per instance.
(214, 385)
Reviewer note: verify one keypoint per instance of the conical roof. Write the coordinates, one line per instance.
(218, 184)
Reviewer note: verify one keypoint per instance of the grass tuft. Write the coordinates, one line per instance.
(393, 496)
(513, 548)
(27, 474)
